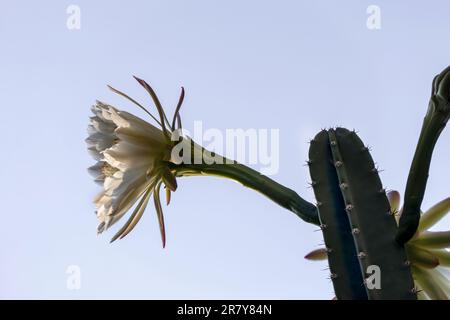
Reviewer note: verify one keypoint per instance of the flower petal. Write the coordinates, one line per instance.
(168, 196)
(421, 294)
(135, 126)
(317, 255)
(97, 124)
(429, 239)
(135, 216)
(442, 276)
(116, 206)
(394, 200)
(96, 170)
(162, 115)
(160, 215)
(434, 214)
(124, 156)
(429, 283)
(421, 257)
(100, 141)
(169, 179)
(443, 256)
(95, 153)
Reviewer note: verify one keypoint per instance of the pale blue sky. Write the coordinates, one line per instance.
(293, 65)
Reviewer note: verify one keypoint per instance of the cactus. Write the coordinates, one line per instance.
(358, 225)
(359, 222)
(364, 228)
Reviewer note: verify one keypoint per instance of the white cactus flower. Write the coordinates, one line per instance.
(132, 162)
(429, 255)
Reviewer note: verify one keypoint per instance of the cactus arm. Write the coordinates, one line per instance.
(283, 196)
(345, 270)
(373, 225)
(434, 122)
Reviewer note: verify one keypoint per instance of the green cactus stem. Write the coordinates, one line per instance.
(345, 270)
(434, 122)
(225, 168)
(372, 222)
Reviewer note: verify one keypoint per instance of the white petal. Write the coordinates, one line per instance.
(124, 155)
(123, 181)
(130, 125)
(112, 183)
(125, 202)
(96, 170)
(100, 125)
(95, 153)
(100, 141)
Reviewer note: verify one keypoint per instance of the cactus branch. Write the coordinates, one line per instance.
(348, 281)
(372, 222)
(434, 122)
(225, 168)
